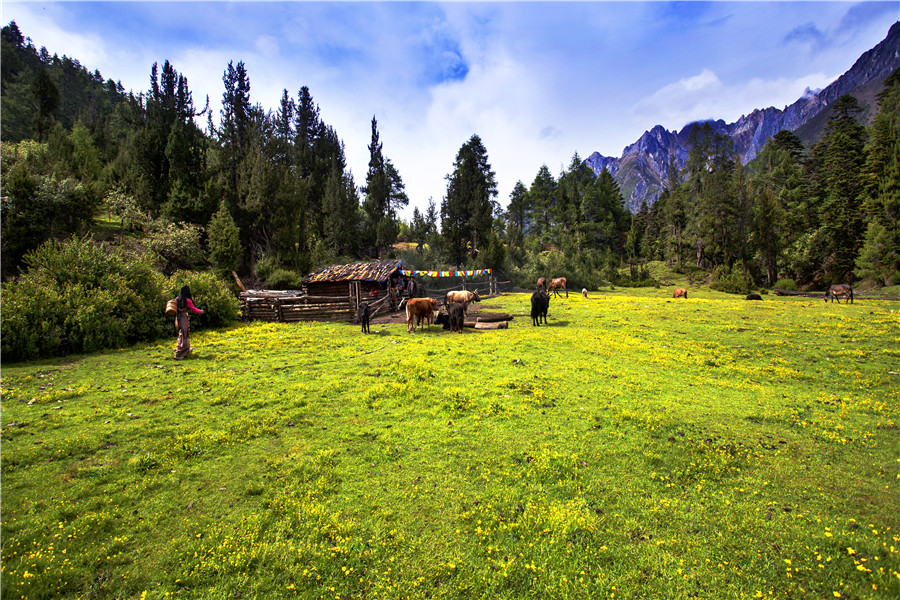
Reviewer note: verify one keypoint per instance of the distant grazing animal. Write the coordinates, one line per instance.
(412, 288)
(457, 317)
(542, 283)
(363, 314)
(557, 284)
(584, 292)
(417, 310)
(754, 297)
(540, 304)
(840, 289)
(462, 298)
(680, 293)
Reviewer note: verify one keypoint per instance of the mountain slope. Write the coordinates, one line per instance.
(642, 168)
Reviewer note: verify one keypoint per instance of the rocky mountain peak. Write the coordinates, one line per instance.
(641, 170)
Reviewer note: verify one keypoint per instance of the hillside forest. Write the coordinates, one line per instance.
(266, 192)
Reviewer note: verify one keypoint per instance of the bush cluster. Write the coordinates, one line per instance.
(732, 281)
(79, 296)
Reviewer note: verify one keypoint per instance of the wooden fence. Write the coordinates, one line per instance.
(291, 306)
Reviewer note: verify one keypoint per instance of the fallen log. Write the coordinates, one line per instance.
(497, 325)
(493, 317)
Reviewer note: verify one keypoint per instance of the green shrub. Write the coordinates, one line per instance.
(210, 294)
(731, 281)
(176, 246)
(80, 297)
(785, 284)
(282, 279)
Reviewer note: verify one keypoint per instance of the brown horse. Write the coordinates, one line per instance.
(840, 289)
(542, 283)
(680, 293)
(557, 284)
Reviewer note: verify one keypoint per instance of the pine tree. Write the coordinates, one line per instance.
(839, 158)
(468, 208)
(880, 255)
(385, 194)
(224, 242)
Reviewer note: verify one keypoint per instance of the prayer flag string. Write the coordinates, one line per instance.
(470, 273)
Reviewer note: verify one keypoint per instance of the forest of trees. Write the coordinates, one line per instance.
(268, 193)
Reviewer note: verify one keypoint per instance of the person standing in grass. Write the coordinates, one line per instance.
(183, 323)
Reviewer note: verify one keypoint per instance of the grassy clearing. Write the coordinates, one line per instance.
(637, 447)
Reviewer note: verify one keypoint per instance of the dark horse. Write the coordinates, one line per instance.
(412, 288)
(840, 289)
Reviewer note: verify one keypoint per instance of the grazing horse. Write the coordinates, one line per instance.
(540, 304)
(412, 288)
(584, 292)
(680, 293)
(840, 289)
(364, 314)
(542, 283)
(461, 298)
(418, 310)
(556, 284)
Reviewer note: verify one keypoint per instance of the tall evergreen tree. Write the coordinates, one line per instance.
(385, 194)
(880, 255)
(839, 158)
(468, 208)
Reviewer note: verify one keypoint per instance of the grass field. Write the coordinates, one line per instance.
(636, 447)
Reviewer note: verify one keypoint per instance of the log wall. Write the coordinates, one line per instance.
(288, 307)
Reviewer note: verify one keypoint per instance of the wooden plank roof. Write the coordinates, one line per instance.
(379, 271)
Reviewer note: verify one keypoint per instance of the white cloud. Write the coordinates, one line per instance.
(706, 96)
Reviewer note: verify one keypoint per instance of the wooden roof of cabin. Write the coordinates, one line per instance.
(379, 271)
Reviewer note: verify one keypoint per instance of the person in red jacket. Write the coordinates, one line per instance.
(183, 323)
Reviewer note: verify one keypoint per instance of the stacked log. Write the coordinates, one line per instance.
(292, 306)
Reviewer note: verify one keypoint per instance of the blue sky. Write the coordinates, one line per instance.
(537, 81)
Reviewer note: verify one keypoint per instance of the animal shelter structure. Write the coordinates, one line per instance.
(331, 293)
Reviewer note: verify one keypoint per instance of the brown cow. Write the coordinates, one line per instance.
(418, 309)
(840, 289)
(556, 284)
(680, 293)
(461, 298)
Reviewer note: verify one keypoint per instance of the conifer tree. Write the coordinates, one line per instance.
(468, 208)
(839, 158)
(224, 242)
(880, 255)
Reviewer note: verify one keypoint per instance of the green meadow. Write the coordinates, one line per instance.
(635, 447)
